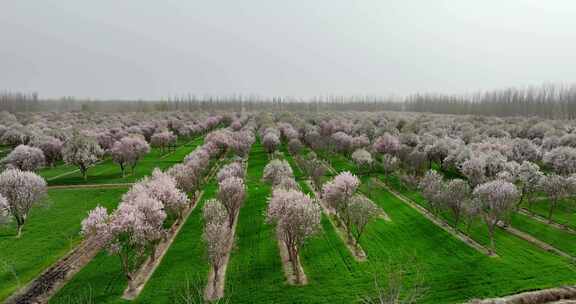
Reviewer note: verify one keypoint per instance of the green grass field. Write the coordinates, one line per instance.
(102, 280)
(454, 271)
(53, 227)
(565, 212)
(51, 231)
(451, 270)
(108, 172)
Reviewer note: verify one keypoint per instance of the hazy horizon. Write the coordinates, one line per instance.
(131, 49)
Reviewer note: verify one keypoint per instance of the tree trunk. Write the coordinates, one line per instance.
(491, 235)
(551, 210)
(358, 234)
(456, 218)
(19, 230)
(215, 283)
(231, 220)
(153, 254)
(293, 255)
(520, 200)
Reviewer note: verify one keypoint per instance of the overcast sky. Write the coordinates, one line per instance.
(152, 49)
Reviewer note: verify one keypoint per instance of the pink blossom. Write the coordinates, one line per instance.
(186, 176)
(495, 199)
(81, 151)
(387, 144)
(342, 142)
(561, 159)
(275, 170)
(51, 146)
(231, 192)
(234, 169)
(163, 140)
(21, 190)
(270, 142)
(127, 152)
(296, 218)
(162, 187)
(362, 158)
(338, 192)
(25, 158)
(215, 212)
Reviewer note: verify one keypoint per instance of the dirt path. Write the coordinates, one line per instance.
(52, 279)
(434, 219)
(527, 237)
(559, 295)
(544, 220)
(287, 266)
(92, 186)
(72, 172)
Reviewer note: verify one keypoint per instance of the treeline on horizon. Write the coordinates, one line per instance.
(546, 101)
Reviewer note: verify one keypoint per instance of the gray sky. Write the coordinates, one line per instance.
(152, 49)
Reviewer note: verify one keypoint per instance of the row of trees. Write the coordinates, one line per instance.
(353, 209)
(106, 128)
(220, 214)
(295, 215)
(138, 225)
(83, 150)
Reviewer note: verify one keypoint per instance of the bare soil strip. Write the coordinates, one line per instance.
(544, 220)
(287, 266)
(356, 250)
(63, 174)
(545, 296)
(71, 172)
(434, 219)
(92, 186)
(52, 279)
(533, 240)
(150, 265)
